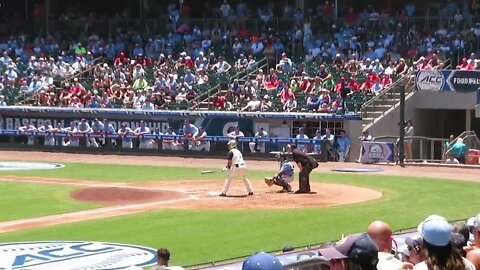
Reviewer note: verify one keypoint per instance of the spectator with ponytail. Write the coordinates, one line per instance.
(437, 243)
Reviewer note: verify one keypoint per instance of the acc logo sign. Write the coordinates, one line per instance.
(66, 255)
(375, 152)
(430, 80)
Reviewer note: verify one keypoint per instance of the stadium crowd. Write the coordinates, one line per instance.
(436, 244)
(151, 71)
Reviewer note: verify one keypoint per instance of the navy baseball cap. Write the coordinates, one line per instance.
(262, 261)
(413, 242)
(358, 248)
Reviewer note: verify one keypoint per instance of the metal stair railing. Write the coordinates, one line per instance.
(425, 149)
(389, 91)
(216, 89)
(407, 85)
(470, 139)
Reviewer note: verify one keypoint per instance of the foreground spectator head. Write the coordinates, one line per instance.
(359, 250)
(163, 256)
(412, 252)
(262, 261)
(381, 233)
(437, 236)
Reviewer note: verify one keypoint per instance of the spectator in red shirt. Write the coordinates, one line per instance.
(340, 85)
(121, 59)
(306, 85)
(386, 81)
(218, 102)
(77, 89)
(272, 83)
(374, 78)
(189, 63)
(463, 64)
(286, 94)
(351, 16)
(353, 85)
(144, 61)
(469, 65)
(366, 86)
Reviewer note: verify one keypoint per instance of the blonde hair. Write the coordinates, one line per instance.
(460, 140)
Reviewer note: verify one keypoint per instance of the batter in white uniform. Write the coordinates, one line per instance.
(235, 165)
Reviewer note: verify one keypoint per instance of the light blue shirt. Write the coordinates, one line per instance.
(286, 169)
(109, 129)
(300, 136)
(84, 127)
(192, 129)
(343, 144)
(97, 127)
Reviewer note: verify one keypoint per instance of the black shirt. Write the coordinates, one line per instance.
(300, 157)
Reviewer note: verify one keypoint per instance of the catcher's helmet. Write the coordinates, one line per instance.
(232, 144)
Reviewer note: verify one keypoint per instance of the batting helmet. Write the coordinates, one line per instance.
(232, 144)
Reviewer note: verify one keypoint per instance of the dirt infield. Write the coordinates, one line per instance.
(123, 199)
(129, 198)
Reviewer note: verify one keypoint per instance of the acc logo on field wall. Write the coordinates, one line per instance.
(69, 255)
(430, 80)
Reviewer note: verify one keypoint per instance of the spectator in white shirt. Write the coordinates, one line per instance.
(11, 76)
(138, 71)
(301, 135)
(148, 105)
(222, 66)
(285, 63)
(253, 105)
(234, 135)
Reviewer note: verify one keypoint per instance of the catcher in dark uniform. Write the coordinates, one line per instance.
(284, 176)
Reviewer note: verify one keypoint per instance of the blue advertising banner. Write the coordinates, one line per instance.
(478, 97)
(448, 80)
(215, 127)
(374, 152)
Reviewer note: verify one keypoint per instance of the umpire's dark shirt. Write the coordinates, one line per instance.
(300, 157)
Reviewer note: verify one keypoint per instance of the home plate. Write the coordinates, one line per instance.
(214, 193)
(358, 170)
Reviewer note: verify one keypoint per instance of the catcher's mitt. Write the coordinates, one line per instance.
(269, 181)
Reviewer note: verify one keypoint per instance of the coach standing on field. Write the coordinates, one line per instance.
(306, 164)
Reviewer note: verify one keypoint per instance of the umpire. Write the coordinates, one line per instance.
(306, 164)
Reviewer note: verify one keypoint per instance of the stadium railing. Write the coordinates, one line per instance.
(425, 149)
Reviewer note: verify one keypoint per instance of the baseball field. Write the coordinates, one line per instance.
(167, 202)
